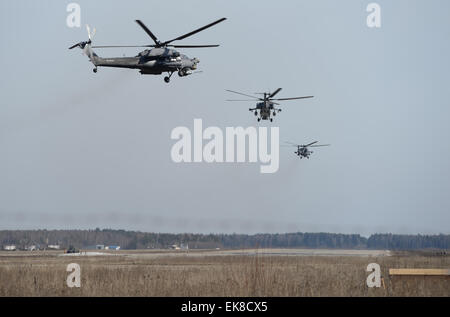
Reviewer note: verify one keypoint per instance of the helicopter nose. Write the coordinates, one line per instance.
(195, 61)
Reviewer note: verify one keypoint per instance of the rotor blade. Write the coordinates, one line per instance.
(239, 93)
(73, 46)
(193, 46)
(112, 46)
(310, 144)
(320, 145)
(275, 92)
(241, 100)
(281, 99)
(146, 29)
(88, 30)
(293, 144)
(195, 31)
(176, 46)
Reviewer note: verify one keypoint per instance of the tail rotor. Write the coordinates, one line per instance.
(85, 46)
(90, 35)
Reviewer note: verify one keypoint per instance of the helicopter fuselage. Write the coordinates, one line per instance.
(264, 108)
(154, 62)
(303, 152)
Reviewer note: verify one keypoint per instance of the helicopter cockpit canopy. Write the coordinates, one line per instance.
(159, 52)
(143, 53)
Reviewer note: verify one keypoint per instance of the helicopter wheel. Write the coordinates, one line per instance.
(95, 70)
(167, 79)
(271, 120)
(274, 113)
(256, 113)
(259, 119)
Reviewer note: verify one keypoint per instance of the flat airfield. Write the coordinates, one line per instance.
(241, 252)
(248, 272)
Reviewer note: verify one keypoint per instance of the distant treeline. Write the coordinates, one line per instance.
(141, 240)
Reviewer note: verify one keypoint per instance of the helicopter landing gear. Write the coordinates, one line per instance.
(271, 119)
(95, 70)
(167, 78)
(256, 113)
(259, 119)
(184, 72)
(274, 113)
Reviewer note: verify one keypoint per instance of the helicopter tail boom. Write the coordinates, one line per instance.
(93, 57)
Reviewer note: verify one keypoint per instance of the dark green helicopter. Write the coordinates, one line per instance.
(302, 150)
(265, 105)
(161, 58)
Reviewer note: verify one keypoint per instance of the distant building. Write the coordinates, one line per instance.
(53, 247)
(31, 248)
(9, 248)
(113, 247)
(179, 247)
(102, 247)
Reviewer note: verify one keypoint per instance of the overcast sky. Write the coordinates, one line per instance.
(85, 150)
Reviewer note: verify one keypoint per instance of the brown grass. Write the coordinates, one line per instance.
(187, 275)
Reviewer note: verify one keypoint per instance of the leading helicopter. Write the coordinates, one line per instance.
(302, 150)
(162, 57)
(266, 104)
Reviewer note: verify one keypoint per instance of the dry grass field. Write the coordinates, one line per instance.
(214, 274)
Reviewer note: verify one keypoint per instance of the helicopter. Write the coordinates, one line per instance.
(265, 104)
(302, 150)
(162, 57)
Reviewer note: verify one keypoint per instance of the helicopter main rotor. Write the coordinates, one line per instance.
(312, 144)
(267, 96)
(159, 44)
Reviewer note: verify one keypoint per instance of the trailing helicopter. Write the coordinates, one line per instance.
(265, 106)
(303, 151)
(161, 58)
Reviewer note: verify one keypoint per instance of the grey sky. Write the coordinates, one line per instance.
(81, 150)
